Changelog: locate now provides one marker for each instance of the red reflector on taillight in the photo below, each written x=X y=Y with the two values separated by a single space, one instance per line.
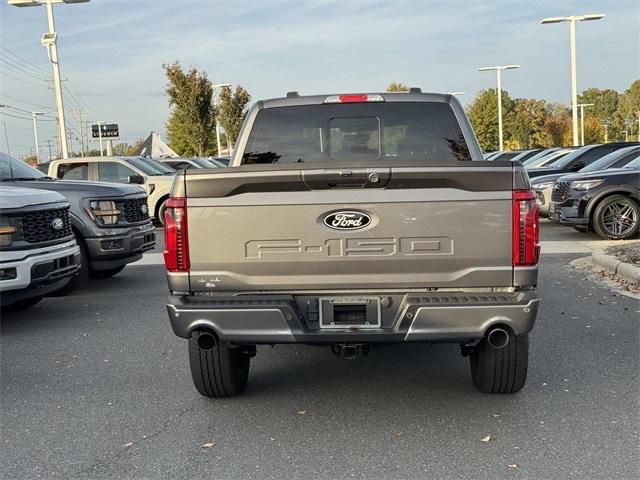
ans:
x=176 y=241
x=525 y=230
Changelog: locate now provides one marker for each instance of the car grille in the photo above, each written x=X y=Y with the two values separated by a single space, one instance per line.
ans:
x=560 y=192
x=135 y=210
x=38 y=227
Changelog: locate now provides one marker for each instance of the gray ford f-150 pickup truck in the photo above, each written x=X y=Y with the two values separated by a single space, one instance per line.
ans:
x=350 y=221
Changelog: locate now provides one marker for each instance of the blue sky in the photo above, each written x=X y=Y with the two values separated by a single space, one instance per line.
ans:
x=112 y=51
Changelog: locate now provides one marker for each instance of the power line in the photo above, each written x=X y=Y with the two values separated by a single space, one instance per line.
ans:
x=41 y=107
x=24 y=60
x=22 y=80
x=19 y=69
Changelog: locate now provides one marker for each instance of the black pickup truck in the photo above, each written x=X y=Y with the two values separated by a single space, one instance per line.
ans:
x=110 y=222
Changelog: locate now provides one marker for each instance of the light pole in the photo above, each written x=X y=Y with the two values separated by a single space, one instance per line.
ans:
x=498 y=69
x=214 y=86
x=49 y=41
x=572 y=41
x=581 y=106
x=34 y=116
x=6 y=137
x=606 y=132
x=100 y=135
x=626 y=134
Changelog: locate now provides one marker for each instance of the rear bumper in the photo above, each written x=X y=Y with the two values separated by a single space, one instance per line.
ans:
x=120 y=248
x=270 y=319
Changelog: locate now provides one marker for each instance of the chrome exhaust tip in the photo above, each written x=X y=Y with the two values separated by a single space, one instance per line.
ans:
x=498 y=337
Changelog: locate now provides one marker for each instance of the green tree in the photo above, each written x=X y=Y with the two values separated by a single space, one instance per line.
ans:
x=526 y=123
x=483 y=115
x=397 y=87
x=121 y=148
x=191 y=125
x=132 y=148
x=232 y=111
x=557 y=128
x=627 y=115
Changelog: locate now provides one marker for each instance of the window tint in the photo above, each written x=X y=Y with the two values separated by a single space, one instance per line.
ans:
x=13 y=168
x=356 y=131
x=114 y=172
x=73 y=171
x=595 y=154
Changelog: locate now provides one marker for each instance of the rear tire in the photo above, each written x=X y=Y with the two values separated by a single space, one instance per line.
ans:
x=617 y=218
x=220 y=372
x=500 y=370
x=106 y=273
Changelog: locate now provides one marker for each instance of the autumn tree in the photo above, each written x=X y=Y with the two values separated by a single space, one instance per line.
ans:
x=397 y=87
x=526 y=123
x=191 y=125
x=558 y=129
x=232 y=110
x=483 y=115
x=627 y=116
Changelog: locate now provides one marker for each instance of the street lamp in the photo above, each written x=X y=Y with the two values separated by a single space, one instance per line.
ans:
x=581 y=106
x=34 y=116
x=606 y=132
x=219 y=85
x=6 y=137
x=572 y=40
x=498 y=69
x=49 y=41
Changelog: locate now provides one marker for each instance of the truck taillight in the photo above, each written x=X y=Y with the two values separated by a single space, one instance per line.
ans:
x=176 y=240
x=526 y=234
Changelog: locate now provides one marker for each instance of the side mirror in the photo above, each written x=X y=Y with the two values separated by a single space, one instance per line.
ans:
x=577 y=166
x=136 y=179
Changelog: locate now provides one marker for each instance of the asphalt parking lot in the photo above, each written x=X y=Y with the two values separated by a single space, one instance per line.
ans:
x=96 y=385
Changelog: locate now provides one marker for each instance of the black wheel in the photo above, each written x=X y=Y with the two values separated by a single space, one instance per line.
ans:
x=80 y=279
x=106 y=273
x=219 y=371
x=22 y=304
x=617 y=218
x=500 y=370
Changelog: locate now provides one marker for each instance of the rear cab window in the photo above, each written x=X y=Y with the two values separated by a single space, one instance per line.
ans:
x=426 y=131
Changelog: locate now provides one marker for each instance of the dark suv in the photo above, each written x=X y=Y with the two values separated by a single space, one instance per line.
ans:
x=110 y=222
x=606 y=201
x=578 y=159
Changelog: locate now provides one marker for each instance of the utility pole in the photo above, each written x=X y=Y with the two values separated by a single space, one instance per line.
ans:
x=606 y=133
x=34 y=116
x=49 y=41
x=100 y=135
x=572 y=45
x=498 y=69
x=81 y=116
x=6 y=137
x=49 y=145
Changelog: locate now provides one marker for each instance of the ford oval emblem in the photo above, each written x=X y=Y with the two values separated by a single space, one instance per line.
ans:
x=347 y=220
x=144 y=209
x=57 y=223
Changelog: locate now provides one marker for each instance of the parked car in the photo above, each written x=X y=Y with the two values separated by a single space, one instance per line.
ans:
x=223 y=160
x=616 y=159
x=547 y=159
x=607 y=202
x=336 y=226
x=526 y=154
x=506 y=155
x=191 y=162
x=155 y=179
x=578 y=159
x=543 y=152
x=110 y=222
x=38 y=253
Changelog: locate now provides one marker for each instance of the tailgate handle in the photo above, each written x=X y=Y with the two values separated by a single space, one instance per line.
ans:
x=357 y=178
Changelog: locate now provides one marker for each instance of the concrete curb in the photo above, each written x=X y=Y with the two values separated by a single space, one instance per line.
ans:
x=625 y=271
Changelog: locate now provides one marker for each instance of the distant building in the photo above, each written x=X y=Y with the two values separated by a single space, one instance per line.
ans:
x=155 y=147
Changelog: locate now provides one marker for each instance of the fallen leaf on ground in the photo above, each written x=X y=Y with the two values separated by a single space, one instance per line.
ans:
x=495 y=415
x=208 y=445
x=513 y=465
x=301 y=412
x=398 y=434
x=128 y=444
x=486 y=439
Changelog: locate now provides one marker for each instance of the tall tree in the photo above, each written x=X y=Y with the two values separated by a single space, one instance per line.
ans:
x=483 y=114
x=191 y=125
x=397 y=87
x=526 y=123
x=558 y=130
x=626 y=116
x=232 y=110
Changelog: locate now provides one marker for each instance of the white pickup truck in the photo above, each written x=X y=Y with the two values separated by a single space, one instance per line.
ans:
x=352 y=221
x=38 y=252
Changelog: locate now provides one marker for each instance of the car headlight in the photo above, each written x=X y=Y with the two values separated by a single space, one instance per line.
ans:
x=543 y=185
x=6 y=236
x=585 y=184
x=103 y=212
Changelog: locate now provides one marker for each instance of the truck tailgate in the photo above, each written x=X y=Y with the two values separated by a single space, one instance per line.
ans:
x=357 y=228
